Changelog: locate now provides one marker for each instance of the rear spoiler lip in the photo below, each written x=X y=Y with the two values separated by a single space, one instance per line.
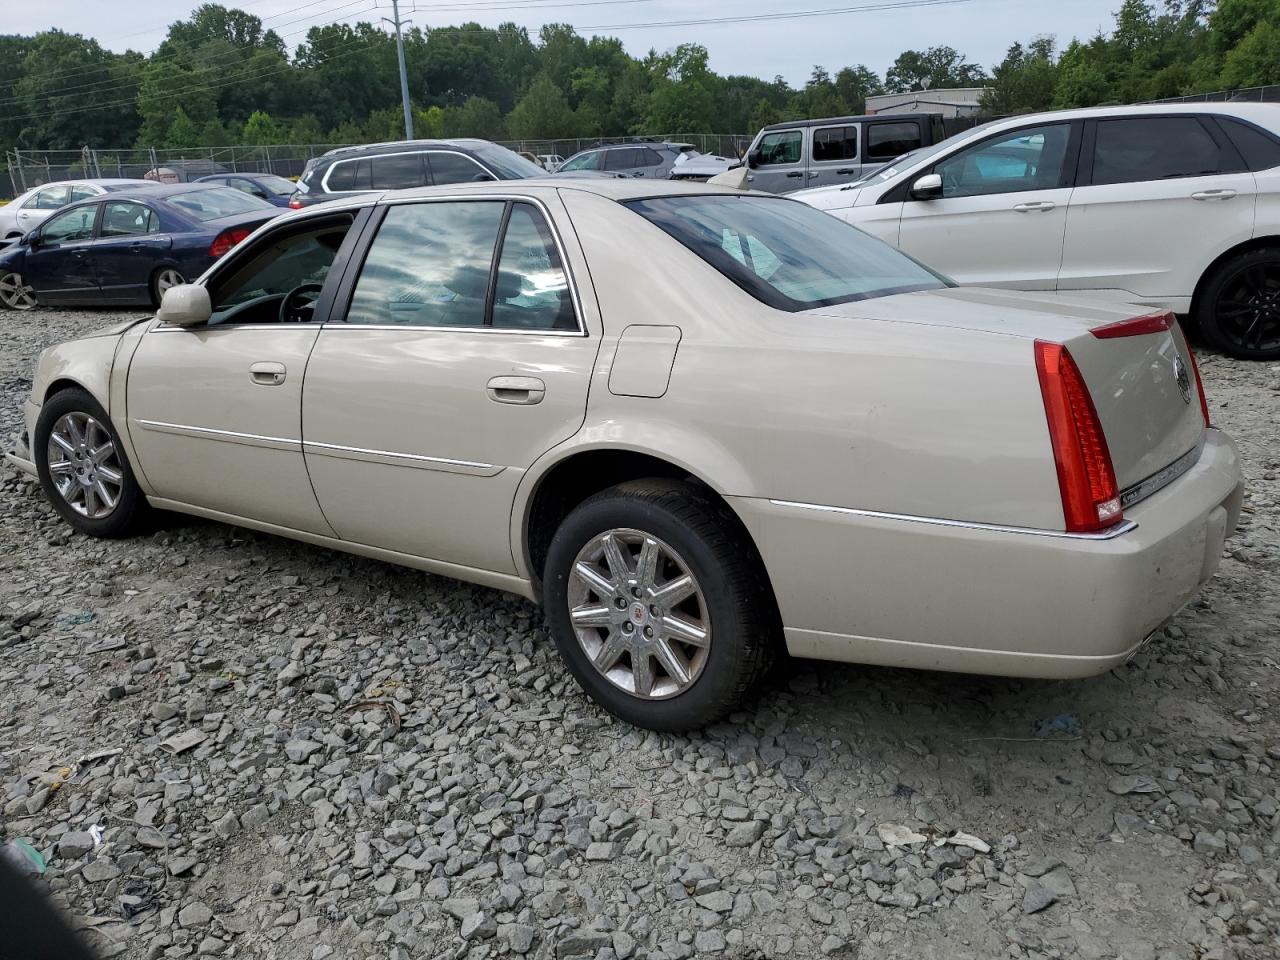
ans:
x=1159 y=322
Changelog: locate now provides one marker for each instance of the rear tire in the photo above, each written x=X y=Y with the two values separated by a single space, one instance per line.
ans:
x=642 y=628
x=1239 y=306
x=162 y=280
x=83 y=469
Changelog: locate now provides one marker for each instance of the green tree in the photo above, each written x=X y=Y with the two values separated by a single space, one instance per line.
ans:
x=1025 y=80
x=683 y=96
x=182 y=132
x=260 y=129
x=938 y=67
x=854 y=85
x=542 y=114
x=1255 y=60
x=477 y=117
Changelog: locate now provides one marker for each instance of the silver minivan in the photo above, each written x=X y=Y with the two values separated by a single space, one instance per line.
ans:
x=812 y=153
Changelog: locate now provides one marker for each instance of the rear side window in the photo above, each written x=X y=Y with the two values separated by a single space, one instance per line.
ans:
x=349 y=175
x=51 y=198
x=397 y=171
x=892 y=139
x=624 y=158
x=649 y=157
x=82 y=193
x=784 y=253
x=778 y=148
x=1260 y=150
x=1155 y=148
x=531 y=291
x=835 y=143
x=127 y=219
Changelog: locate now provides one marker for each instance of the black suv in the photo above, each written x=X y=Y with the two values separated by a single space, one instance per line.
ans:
x=407 y=163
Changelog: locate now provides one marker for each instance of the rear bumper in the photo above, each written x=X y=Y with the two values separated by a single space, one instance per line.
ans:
x=872 y=588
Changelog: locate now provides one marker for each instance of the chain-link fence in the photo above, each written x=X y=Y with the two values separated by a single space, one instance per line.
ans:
x=30 y=168
x=1268 y=94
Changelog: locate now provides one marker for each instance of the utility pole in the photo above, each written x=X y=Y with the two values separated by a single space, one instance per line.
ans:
x=404 y=76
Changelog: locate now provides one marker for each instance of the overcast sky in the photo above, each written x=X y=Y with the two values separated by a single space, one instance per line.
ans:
x=981 y=29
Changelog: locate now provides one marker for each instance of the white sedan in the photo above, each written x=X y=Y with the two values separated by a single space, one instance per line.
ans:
x=27 y=211
x=700 y=426
x=1175 y=206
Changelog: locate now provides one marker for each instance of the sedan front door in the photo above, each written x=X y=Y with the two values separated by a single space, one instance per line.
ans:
x=460 y=360
x=1003 y=210
x=60 y=267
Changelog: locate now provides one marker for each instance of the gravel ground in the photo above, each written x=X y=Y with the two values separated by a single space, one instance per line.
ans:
x=304 y=754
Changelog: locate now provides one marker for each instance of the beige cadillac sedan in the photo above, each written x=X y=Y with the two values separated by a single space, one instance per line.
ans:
x=700 y=426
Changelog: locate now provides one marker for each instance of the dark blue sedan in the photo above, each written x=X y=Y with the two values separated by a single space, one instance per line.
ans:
x=127 y=247
x=265 y=186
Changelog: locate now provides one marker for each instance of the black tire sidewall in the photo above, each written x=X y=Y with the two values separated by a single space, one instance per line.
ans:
x=718 y=687
x=1206 y=314
x=132 y=504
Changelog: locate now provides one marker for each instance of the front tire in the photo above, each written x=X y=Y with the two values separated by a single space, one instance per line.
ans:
x=83 y=469
x=15 y=293
x=1239 y=308
x=660 y=605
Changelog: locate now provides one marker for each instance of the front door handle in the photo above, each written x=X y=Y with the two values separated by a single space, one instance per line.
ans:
x=1213 y=195
x=845 y=171
x=795 y=174
x=266 y=373
x=518 y=390
x=1041 y=206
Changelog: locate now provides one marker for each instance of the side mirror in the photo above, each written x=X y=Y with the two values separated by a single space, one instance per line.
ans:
x=32 y=239
x=928 y=187
x=753 y=159
x=186 y=305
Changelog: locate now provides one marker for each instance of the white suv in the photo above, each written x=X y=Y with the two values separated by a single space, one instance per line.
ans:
x=1175 y=206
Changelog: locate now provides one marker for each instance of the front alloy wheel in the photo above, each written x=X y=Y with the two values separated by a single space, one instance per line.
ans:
x=15 y=293
x=85 y=465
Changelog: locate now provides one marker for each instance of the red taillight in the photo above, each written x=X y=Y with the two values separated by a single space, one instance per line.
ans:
x=1204 y=401
x=1086 y=477
x=1136 y=326
x=295 y=203
x=226 y=240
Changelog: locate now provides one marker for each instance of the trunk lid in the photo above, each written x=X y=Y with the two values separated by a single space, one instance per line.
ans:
x=1143 y=386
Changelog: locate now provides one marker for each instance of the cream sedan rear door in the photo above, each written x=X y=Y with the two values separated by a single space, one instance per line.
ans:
x=458 y=355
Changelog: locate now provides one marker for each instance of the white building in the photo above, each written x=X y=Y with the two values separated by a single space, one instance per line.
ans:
x=956 y=102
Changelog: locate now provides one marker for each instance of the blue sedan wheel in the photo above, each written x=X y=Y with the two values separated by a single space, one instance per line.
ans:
x=162 y=281
x=15 y=293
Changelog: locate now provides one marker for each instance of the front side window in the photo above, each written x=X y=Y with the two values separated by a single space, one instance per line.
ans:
x=892 y=139
x=779 y=148
x=455 y=168
x=50 y=198
x=835 y=143
x=214 y=203
x=398 y=171
x=429 y=265
x=583 y=161
x=531 y=291
x=1029 y=159
x=75 y=224
x=1154 y=148
x=126 y=219
x=784 y=253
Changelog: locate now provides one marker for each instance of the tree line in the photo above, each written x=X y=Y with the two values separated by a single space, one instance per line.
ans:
x=222 y=77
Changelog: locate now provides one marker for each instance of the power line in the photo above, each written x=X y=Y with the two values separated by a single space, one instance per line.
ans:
x=795 y=15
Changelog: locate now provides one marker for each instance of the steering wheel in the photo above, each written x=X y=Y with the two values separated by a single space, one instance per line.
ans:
x=299 y=304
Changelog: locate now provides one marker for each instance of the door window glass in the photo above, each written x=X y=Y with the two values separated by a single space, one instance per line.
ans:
x=778 y=148
x=51 y=198
x=349 y=175
x=583 y=161
x=274 y=267
x=455 y=168
x=624 y=158
x=532 y=291
x=75 y=224
x=82 y=193
x=835 y=143
x=888 y=140
x=398 y=171
x=429 y=265
x=239 y=183
x=1260 y=150
x=1030 y=159
x=649 y=157
x=124 y=219
x=1153 y=148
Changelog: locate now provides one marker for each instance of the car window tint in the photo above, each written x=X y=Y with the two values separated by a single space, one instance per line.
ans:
x=455 y=168
x=835 y=143
x=786 y=254
x=888 y=140
x=1260 y=150
x=624 y=158
x=82 y=193
x=125 y=219
x=429 y=265
x=1153 y=148
x=342 y=176
x=532 y=291
x=51 y=198
x=583 y=161
x=649 y=157
x=397 y=171
x=75 y=224
x=1028 y=159
x=780 y=147
x=271 y=268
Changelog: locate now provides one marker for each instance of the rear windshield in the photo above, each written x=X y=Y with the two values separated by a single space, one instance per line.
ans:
x=277 y=185
x=213 y=203
x=505 y=163
x=785 y=253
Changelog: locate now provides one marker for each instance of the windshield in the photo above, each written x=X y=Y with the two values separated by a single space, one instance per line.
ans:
x=214 y=203
x=506 y=163
x=785 y=253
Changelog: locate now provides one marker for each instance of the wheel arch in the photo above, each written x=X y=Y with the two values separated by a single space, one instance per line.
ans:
x=85 y=364
x=1248 y=246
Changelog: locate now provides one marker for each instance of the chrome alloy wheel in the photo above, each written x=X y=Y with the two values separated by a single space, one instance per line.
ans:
x=85 y=466
x=14 y=293
x=639 y=614
x=166 y=279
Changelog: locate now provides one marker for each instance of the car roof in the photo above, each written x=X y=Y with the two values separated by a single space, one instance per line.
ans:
x=615 y=188
x=152 y=191
x=1264 y=114
x=824 y=121
x=92 y=181
x=466 y=143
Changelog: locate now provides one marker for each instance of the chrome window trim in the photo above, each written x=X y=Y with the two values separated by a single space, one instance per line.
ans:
x=324 y=182
x=558 y=239
x=1139 y=491
x=1125 y=526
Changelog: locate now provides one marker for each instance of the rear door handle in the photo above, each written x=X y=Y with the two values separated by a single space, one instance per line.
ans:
x=795 y=174
x=1213 y=195
x=1041 y=206
x=267 y=373
x=518 y=390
